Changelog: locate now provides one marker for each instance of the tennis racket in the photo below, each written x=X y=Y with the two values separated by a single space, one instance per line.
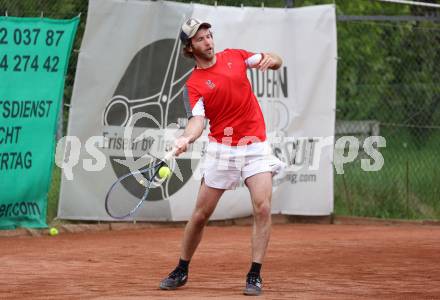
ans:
x=120 y=206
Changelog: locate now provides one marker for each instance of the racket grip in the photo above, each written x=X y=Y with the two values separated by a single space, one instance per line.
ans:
x=170 y=154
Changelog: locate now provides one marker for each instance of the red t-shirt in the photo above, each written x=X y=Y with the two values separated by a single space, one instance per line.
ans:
x=228 y=99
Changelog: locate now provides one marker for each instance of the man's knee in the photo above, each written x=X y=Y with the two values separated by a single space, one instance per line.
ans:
x=262 y=210
x=200 y=217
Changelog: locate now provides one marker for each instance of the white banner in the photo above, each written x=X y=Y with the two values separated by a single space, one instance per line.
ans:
x=130 y=62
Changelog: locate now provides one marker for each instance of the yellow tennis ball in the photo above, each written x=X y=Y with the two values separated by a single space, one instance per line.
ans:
x=53 y=231
x=164 y=172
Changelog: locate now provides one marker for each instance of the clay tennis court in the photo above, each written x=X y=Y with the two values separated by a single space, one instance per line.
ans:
x=304 y=262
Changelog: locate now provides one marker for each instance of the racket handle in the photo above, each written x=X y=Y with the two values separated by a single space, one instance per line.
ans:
x=170 y=154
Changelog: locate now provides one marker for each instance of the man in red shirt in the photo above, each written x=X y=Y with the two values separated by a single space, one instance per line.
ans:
x=219 y=90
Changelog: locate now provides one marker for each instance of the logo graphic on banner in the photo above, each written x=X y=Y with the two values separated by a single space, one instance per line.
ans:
x=152 y=84
x=143 y=72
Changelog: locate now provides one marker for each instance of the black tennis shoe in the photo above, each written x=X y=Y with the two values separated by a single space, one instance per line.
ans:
x=175 y=279
x=253 y=285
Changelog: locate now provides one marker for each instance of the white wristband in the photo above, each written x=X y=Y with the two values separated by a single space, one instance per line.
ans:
x=254 y=60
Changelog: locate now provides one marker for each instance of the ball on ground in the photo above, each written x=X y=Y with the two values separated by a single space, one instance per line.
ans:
x=164 y=172
x=53 y=231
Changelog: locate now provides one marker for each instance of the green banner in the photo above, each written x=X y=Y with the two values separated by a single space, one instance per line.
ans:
x=34 y=54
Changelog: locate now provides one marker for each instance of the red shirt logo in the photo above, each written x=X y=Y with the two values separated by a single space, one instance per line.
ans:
x=210 y=84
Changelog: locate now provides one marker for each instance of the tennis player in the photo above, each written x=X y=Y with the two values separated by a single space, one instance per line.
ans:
x=219 y=90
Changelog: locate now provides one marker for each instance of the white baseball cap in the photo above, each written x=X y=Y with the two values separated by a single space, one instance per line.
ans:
x=190 y=27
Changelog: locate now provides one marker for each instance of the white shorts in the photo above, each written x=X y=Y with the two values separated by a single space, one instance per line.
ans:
x=223 y=166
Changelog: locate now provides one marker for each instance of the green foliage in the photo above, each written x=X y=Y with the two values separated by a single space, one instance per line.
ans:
x=406 y=187
x=387 y=72
x=419 y=88
x=53 y=195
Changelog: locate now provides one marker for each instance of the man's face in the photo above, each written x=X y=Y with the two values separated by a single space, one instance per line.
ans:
x=203 y=44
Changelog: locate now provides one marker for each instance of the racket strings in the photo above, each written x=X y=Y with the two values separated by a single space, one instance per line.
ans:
x=119 y=204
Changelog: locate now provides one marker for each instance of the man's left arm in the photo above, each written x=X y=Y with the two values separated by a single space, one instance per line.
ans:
x=264 y=61
x=269 y=61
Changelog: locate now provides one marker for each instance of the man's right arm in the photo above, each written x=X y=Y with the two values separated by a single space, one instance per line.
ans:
x=195 y=111
x=193 y=131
